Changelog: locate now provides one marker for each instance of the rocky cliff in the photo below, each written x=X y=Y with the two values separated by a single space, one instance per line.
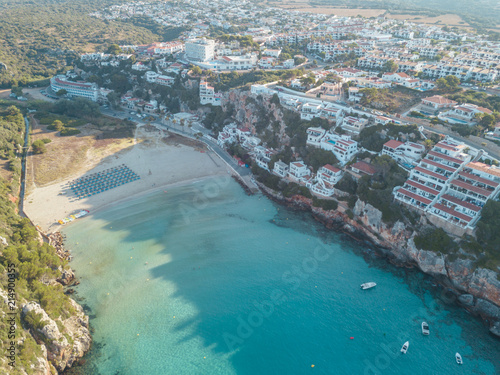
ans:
x=44 y=345
x=478 y=289
x=64 y=341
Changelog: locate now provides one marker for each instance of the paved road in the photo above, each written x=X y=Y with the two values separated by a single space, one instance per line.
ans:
x=196 y=128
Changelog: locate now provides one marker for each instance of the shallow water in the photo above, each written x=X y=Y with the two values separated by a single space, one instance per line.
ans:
x=206 y=280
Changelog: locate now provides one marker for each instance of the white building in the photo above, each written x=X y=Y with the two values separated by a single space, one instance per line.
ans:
x=245 y=62
x=342 y=146
x=329 y=173
x=396 y=77
x=80 y=89
x=208 y=95
x=314 y=136
x=200 y=49
x=280 y=169
x=406 y=153
x=353 y=124
x=272 y=52
x=310 y=111
x=298 y=171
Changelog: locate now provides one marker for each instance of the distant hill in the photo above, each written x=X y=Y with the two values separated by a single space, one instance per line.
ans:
x=478 y=13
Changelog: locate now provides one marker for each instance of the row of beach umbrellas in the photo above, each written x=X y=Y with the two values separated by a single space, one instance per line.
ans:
x=102 y=181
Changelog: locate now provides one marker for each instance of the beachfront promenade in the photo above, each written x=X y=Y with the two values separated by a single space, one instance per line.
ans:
x=244 y=173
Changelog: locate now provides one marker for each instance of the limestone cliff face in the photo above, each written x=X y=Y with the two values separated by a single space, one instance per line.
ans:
x=478 y=288
x=257 y=109
x=64 y=343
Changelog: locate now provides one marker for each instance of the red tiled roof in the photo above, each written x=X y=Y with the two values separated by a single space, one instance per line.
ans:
x=484 y=168
x=462 y=203
x=415 y=145
x=478 y=179
x=331 y=168
x=430 y=173
x=445 y=146
x=439 y=165
x=393 y=144
x=85 y=85
x=364 y=167
x=445 y=157
x=439 y=100
x=470 y=187
x=451 y=211
x=414 y=196
x=422 y=187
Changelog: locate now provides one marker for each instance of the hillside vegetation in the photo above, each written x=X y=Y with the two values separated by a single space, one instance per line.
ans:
x=41 y=37
x=23 y=254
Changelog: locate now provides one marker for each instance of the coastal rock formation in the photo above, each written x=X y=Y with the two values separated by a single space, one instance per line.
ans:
x=479 y=287
x=466 y=300
x=428 y=261
x=486 y=309
x=67 y=276
x=495 y=329
x=64 y=341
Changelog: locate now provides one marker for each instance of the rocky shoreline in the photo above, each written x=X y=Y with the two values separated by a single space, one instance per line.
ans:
x=476 y=289
x=65 y=340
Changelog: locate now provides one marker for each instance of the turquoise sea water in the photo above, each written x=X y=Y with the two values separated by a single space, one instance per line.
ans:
x=203 y=279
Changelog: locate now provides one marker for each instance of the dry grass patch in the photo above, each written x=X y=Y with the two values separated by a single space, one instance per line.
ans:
x=5 y=173
x=343 y=12
x=445 y=19
x=67 y=156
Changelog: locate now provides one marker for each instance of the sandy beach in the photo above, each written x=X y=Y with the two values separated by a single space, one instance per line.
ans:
x=160 y=159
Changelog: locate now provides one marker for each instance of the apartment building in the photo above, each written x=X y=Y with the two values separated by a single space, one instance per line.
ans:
x=80 y=89
x=200 y=49
x=403 y=152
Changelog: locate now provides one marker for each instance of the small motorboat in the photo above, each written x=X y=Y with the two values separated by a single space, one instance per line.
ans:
x=404 y=349
x=368 y=285
x=425 y=328
x=458 y=357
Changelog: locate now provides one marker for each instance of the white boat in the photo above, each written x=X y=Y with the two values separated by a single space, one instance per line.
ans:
x=404 y=349
x=425 y=328
x=368 y=285
x=458 y=357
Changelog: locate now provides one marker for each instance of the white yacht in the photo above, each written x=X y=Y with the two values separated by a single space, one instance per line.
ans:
x=368 y=285
x=425 y=328
x=404 y=349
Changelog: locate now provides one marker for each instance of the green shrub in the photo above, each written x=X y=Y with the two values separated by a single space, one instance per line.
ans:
x=69 y=131
x=39 y=147
x=34 y=320
x=437 y=240
x=325 y=204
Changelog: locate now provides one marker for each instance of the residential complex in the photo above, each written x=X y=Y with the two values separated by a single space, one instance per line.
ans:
x=449 y=185
x=75 y=89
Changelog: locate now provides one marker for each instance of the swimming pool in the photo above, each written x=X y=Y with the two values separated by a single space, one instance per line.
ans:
x=455 y=120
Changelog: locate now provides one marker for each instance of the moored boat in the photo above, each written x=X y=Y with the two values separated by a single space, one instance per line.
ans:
x=458 y=358
x=425 y=328
x=369 y=285
x=404 y=349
